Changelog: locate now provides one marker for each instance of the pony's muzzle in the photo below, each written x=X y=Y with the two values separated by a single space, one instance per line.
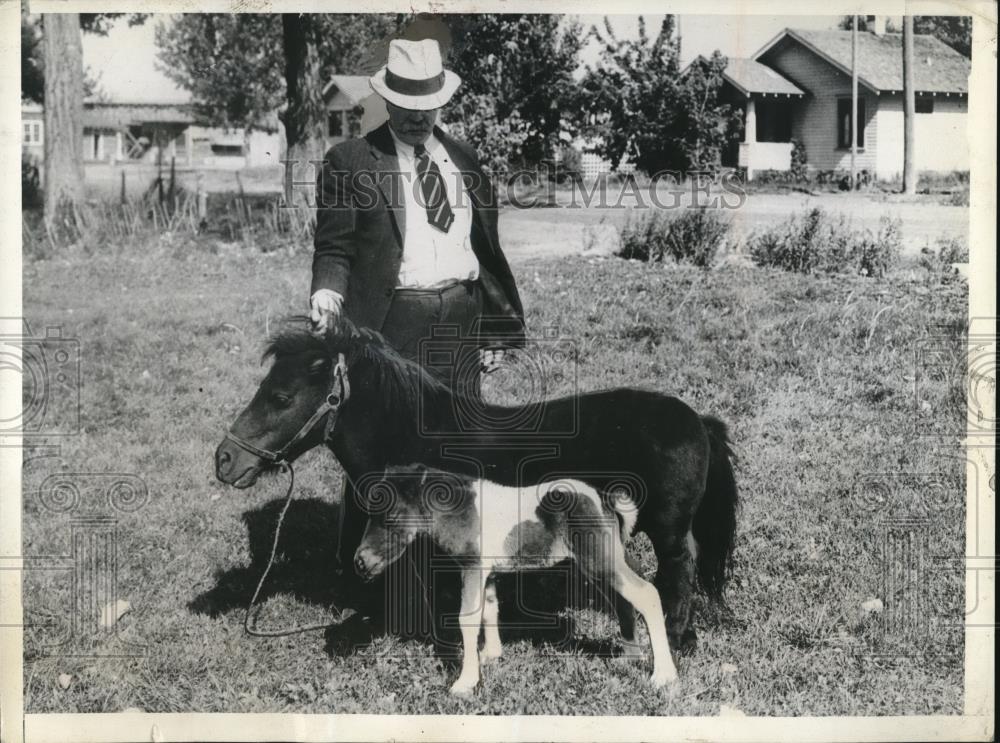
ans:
x=232 y=468
x=366 y=564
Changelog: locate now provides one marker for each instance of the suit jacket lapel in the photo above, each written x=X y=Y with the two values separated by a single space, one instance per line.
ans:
x=476 y=177
x=387 y=175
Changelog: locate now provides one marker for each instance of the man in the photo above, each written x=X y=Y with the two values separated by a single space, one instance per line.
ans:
x=406 y=229
x=406 y=239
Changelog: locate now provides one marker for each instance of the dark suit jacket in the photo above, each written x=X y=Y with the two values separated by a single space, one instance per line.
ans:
x=360 y=224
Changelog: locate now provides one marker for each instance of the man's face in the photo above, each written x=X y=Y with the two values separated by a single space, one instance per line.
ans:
x=412 y=127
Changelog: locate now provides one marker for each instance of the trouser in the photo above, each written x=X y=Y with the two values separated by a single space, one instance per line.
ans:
x=437 y=329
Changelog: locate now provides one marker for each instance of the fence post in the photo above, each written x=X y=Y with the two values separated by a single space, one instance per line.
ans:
x=202 y=199
x=124 y=197
x=170 y=191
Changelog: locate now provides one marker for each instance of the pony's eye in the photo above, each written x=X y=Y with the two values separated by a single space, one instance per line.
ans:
x=281 y=399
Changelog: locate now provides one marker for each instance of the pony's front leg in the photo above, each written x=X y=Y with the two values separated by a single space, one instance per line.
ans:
x=491 y=623
x=470 y=619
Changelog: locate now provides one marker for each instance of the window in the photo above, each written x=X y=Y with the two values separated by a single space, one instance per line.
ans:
x=32 y=132
x=924 y=104
x=334 y=124
x=844 y=123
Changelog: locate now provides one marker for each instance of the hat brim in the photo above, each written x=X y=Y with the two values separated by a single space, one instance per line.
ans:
x=416 y=102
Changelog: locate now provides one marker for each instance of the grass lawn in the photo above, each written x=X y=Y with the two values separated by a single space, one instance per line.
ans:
x=815 y=375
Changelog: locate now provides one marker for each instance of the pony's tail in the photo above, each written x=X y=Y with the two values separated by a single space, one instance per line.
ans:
x=714 y=526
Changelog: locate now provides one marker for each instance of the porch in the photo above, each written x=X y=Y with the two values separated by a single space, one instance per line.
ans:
x=769 y=103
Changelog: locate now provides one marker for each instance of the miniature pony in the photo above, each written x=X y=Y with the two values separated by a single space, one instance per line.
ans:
x=491 y=527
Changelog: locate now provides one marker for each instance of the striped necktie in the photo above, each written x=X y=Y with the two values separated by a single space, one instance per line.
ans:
x=439 y=213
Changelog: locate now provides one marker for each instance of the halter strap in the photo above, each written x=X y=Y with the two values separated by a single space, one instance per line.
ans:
x=340 y=390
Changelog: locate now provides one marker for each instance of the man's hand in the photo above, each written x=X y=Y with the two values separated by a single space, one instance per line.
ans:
x=490 y=359
x=325 y=309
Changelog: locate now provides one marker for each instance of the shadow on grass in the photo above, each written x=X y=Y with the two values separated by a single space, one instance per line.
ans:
x=403 y=602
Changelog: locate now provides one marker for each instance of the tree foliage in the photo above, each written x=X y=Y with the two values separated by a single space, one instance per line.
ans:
x=517 y=84
x=953 y=30
x=236 y=66
x=638 y=102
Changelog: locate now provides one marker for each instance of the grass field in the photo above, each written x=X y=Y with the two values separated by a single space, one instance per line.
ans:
x=820 y=379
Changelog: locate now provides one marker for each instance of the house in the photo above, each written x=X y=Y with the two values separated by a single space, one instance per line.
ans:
x=798 y=87
x=125 y=132
x=349 y=101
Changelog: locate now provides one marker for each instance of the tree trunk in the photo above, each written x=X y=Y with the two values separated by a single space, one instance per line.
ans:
x=909 y=110
x=305 y=116
x=63 y=169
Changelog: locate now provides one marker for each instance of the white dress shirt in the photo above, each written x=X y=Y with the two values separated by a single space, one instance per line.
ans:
x=432 y=257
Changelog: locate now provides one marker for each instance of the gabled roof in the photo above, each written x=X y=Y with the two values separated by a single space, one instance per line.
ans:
x=103 y=115
x=937 y=67
x=749 y=76
x=354 y=88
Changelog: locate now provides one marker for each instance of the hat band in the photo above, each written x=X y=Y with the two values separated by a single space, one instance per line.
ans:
x=409 y=86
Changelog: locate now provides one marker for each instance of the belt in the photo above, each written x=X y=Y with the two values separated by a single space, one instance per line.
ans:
x=466 y=284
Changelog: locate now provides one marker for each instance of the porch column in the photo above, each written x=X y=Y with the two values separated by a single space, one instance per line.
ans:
x=750 y=134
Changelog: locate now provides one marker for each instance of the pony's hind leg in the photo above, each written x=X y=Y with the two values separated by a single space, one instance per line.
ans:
x=471 y=619
x=491 y=622
x=674 y=579
x=646 y=599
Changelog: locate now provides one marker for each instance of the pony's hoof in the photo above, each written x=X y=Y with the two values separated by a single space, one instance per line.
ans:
x=462 y=688
x=660 y=680
x=490 y=654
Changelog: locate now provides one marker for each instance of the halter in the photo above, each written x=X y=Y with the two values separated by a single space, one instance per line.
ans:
x=339 y=392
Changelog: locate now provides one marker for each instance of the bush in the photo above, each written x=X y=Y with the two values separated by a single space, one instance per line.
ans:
x=949 y=250
x=799 y=167
x=31 y=183
x=815 y=242
x=694 y=236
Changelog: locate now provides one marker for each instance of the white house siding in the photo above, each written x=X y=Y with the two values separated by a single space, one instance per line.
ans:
x=815 y=120
x=942 y=140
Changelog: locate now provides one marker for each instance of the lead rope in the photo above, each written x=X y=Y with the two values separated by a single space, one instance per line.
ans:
x=285 y=467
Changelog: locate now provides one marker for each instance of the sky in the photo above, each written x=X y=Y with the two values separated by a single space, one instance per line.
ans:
x=124 y=62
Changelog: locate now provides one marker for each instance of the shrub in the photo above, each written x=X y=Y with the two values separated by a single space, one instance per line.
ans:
x=815 y=242
x=31 y=183
x=799 y=168
x=693 y=236
x=949 y=250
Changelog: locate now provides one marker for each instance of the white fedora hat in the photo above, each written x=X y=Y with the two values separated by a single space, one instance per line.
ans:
x=414 y=77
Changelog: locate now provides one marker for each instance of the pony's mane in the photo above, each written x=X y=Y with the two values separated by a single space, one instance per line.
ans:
x=401 y=380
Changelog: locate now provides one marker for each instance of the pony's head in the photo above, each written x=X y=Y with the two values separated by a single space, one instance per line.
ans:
x=404 y=503
x=303 y=374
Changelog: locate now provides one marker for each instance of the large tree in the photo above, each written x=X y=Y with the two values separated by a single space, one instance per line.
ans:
x=638 y=102
x=517 y=84
x=63 y=61
x=52 y=72
x=241 y=67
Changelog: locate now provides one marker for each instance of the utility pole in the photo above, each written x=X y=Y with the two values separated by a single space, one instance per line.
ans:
x=909 y=110
x=854 y=103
